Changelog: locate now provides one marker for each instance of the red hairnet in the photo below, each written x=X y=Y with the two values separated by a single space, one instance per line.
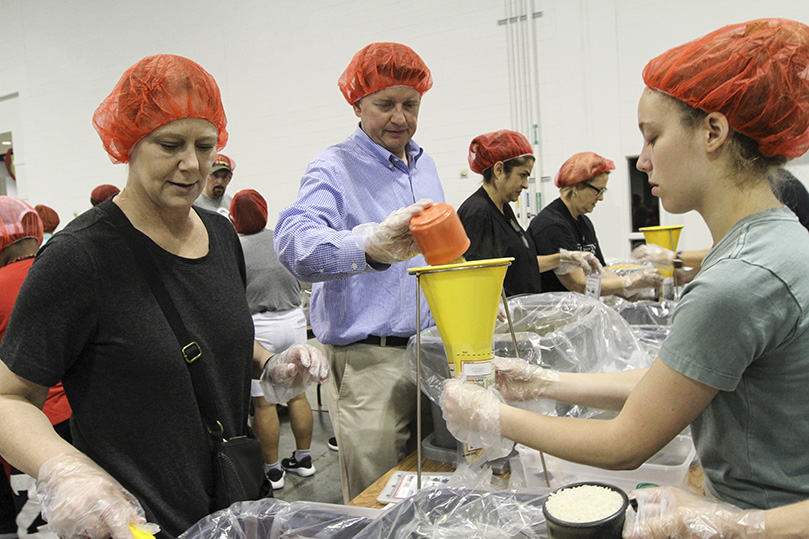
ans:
x=582 y=167
x=248 y=212
x=18 y=220
x=755 y=73
x=155 y=91
x=486 y=150
x=102 y=193
x=381 y=65
x=50 y=219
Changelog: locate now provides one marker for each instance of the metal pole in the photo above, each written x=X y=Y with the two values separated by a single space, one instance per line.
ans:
x=517 y=355
x=510 y=325
x=418 y=381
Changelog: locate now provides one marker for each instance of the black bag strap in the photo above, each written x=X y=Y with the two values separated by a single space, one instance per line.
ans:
x=189 y=348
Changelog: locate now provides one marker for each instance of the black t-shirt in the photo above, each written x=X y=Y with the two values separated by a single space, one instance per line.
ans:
x=554 y=229
x=86 y=316
x=499 y=235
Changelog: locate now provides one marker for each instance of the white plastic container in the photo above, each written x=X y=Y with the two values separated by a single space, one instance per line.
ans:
x=669 y=466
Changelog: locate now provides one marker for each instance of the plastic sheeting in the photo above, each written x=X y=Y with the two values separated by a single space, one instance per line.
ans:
x=243 y=520
x=644 y=313
x=271 y=518
x=457 y=513
x=563 y=331
x=649 y=321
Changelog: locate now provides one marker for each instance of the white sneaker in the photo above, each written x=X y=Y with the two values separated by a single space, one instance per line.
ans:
x=304 y=468
x=276 y=478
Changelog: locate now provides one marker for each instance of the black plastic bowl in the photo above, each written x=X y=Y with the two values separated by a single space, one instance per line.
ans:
x=606 y=528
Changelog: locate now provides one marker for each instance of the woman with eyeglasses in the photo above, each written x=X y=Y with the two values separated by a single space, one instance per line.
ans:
x=563 y=226
x=505 y=158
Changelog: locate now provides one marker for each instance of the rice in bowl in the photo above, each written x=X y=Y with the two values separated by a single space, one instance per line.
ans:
x=584 y=503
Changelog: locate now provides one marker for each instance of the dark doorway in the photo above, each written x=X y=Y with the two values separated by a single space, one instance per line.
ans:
x=645 y=206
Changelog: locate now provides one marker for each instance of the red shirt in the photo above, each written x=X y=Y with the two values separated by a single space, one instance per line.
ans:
x=11 y=278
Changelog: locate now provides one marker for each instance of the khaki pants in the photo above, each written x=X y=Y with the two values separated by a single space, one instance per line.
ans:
x=372 y=406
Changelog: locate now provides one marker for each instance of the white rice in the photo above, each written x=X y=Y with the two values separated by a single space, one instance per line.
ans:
x=585 y=503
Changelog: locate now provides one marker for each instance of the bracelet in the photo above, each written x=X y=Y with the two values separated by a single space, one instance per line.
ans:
x=678 y=255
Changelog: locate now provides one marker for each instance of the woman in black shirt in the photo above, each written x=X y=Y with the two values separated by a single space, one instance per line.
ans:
x=505 y=159
x=564 y=226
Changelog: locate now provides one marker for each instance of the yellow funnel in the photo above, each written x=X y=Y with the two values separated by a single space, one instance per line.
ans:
x=463 y=299
x=140 y=533
x=664 y=236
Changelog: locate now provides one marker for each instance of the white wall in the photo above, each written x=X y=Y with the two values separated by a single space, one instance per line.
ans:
x=593 y=52
x=277 y=63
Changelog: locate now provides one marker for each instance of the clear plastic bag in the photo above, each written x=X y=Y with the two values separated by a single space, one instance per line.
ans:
x=462 y=513
x=270 y=518
x=243 y=520
x=563 y=331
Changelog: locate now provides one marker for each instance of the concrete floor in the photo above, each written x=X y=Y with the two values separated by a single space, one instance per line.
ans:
x=324 y=486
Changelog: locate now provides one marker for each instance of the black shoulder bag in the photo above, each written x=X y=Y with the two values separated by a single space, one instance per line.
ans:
x=238 y=464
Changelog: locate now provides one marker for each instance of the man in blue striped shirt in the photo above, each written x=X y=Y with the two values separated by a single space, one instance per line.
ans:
x=348 y=234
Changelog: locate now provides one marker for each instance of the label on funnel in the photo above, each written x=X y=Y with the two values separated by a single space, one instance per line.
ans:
x=479 y=372
x=476 y=368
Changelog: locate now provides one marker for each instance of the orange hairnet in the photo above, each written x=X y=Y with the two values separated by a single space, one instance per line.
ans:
x=50 y=219
x=155 y=91
x=486 y=150
x=248 y=211
x=755 y=73
x=582 y=167
x=103 y=192
x=18 y=220
x=381 y=65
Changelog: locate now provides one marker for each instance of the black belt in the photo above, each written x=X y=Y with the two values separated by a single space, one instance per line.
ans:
x=384 y=341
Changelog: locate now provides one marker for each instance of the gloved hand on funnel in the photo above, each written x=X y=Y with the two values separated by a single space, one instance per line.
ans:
x=473 y=417
x=518 y=380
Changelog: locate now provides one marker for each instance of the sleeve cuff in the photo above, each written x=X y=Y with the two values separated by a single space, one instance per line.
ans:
x=351 y=259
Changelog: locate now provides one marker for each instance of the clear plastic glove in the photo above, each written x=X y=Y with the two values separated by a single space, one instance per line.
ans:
x=571 y=260
x=671 y=512
x=290 y=372
x=473 y=416
x=390 y=241
x=79 y=500
x=646 y=278
x=518 y=380
x=501 y=312
x=657 y=255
